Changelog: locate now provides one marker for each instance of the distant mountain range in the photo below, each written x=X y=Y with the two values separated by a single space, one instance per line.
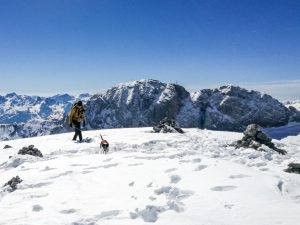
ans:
x=27 y=116
x=144 y=103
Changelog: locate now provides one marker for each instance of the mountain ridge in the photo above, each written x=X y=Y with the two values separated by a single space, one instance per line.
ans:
x=143 y=103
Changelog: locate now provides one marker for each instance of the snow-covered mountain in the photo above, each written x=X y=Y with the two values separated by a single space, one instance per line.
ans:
x=295 y=104
x=27 y=116
x=163 y=179
x=137 y=103
x=144 y=103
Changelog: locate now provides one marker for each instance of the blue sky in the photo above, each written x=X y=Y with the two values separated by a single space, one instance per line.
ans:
x=58 y=46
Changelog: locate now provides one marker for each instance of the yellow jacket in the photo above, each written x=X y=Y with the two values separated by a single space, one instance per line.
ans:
x=77 y=114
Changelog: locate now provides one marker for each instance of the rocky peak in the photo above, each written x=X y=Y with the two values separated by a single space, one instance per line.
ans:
x=137 y=103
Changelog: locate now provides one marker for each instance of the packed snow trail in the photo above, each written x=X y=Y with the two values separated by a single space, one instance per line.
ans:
x=192 y=178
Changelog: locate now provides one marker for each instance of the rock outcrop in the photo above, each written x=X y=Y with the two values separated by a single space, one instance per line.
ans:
x=168 y=125
x=30 y=150
x=7 y=146
x=12 y=184
x=293 y=168
x=255 y=138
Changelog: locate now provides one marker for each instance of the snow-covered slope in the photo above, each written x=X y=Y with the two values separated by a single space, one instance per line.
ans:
x=191 y=178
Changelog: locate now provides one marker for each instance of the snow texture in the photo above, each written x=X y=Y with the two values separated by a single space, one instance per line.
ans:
x=191 y=178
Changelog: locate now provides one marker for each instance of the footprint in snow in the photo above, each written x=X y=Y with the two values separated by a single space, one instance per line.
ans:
x=175 y=179
x=38 y=185
x=136 y=164
x=79 y=164
x=104 y=166
x=149 y=185
x=200 y=167
x=223 y=188
x=62 y=174
x=86 y=171
x=197 y=160
x=107 y=160
x=68 y=211
x=238 y=176
x=37 y=208
x=228 y=206
x=94 y=220
x=47 y=168
x=170 y=170
x=110 y=165
x=108 y=214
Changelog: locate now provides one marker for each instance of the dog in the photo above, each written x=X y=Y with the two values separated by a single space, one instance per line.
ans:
x=104 y=145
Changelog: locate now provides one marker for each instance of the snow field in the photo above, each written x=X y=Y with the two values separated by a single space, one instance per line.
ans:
x=192 y=178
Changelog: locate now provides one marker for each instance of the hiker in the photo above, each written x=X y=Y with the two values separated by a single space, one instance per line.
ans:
x=76 y=116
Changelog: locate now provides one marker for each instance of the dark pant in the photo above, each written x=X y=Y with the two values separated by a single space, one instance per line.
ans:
x=77 y=130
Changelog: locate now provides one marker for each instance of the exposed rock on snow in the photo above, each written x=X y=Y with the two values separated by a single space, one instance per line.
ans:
x=12 y=184
x=30 y=150
x=255 y=138
x=7 y=146
x=293 y=168
x=167 y=125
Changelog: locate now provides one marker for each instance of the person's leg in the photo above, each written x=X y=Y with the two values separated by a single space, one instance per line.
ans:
x=79 y=133
x=77 y=130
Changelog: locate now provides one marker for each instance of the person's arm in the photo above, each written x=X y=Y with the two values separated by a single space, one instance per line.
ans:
x=71 y=115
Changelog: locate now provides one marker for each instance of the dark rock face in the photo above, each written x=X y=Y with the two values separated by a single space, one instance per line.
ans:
x=13 y=183
x=145 y=103
x=233 y=108
x=30 y=150
x=293 y=168
x=135 y=104
x=167 y=125
x=294 y=114
x=255 y=138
